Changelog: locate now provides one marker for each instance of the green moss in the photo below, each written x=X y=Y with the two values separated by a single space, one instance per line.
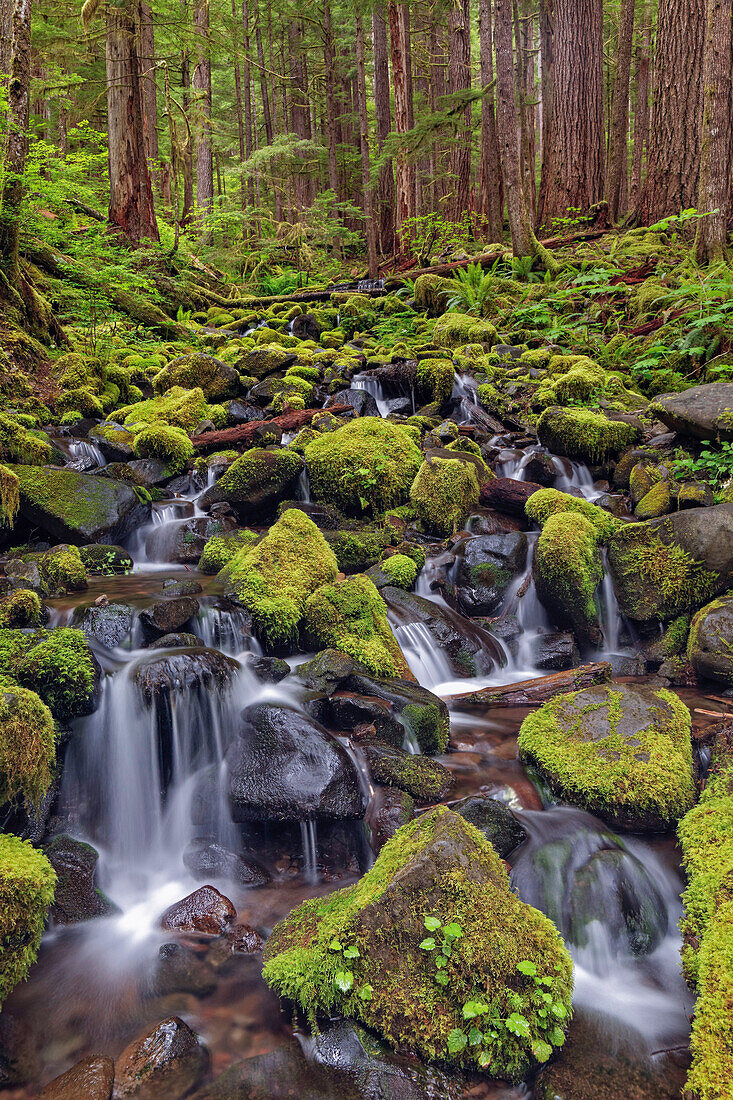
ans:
x=640 y=779
x=17 y=444
x=56 y=664
x=20 y=608
x=351 y=616
x=431 y=293
x=178 y=407
x=548 y=502
x=169 y=445
x=454 y=329
x=435 y=379
x=257 y=473
x=439 y=866
x=656 y=502
x=220 y=549
x=579 y=378
x=711 y=1042
x=580 y=433
x=27 y=883
x=368 y=464
x=444 y=493
x=429 y=726
x=675 y=636
x=567 y=569
x=401 y=570
x=197 y=371
x=356 y=550
x=27 y=745
x=274 y=579
x=654 y=579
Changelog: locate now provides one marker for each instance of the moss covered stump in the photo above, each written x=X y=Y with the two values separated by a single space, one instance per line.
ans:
x=428 y=948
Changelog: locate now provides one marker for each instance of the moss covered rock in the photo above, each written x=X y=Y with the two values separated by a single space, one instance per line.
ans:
x=419 y=776
x=61 y=570
x=56 y=664
x=567 y=569
x=180 y=408
x=431 y=294
x=274 y=579
x=350 y=616
x=435 y=379
x=20 y=608
x=27 y=882
x=18 y=444
x=169 y=445
x=622 y=753
x=454 y=329
x=369 y=952
x=216 y=379
x=366 y=465
x=581 y=433
x=27 y=745
x=710 y=643
x=548 y=502
x=257 y=479
x=444 y=493
x=79 y=508
x=220 y=549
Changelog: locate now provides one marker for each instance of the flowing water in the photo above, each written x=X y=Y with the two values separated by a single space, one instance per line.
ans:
x=144 y=779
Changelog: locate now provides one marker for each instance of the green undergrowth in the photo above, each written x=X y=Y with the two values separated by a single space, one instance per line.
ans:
x=27 y=883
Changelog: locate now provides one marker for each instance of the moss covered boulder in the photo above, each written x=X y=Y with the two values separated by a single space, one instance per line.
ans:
x=710 y=642
x=623 y=753
x=454 y=329
x=444 y=493
x=665 y=567
x=79 y=508
x=27 y=745
x=274 y=579
x=702 y=412
x=548 y=502
x=567 y=569
x=433 y=950
x=218 y=380
x=220 y=549
x=350 y=616
x=256 y=480
x=20 y=608
x=27 y=882
x=368 y=464
x=584 y=434
x=57 y=665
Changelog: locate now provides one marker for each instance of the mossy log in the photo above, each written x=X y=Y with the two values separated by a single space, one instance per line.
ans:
x=507 y=495
x=245 y=433
x=533 y=693
x=135 y=306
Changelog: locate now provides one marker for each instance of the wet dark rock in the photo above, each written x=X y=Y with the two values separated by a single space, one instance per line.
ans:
x=306 y=327
x=347 y=712
x=178 y=969
x=90 y=1079
x=555 y=652
x=185 y=671
x=206 y=859
x=184 y=543
x=286 y=767
x=469 y=648
x=172 y=587
x=148 y=472
x=111 y=625
x=495 y=820
x=19 y=1060
x=177 y=640
x=245 y=940
x=615 y=885
x=486 y=567
x=398 y=406
x=205 y=911
x=327 y=670
x=541 y=469
x=168 y=1061
x=271 y=670
x=24 y=574
x=419 y=776
x=325 y=517
x=241 y=412
x=389 y=809
x=167 y=616
x=76 y=898
x=703 y=412
x=116 y=444
x=627 y=665
x=710 y=641
x=362 y=402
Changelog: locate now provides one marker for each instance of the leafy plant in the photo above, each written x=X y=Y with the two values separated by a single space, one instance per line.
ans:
x=712 y=465
x=472 y=290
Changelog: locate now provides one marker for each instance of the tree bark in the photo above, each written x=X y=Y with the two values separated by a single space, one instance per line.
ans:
x=491 y=198
x=715 y=160
x=240 y=111
x=300 y=119
x=618 y=148
x=673 y=157
x=404 y=184
x=131 y=207
x=202 y=91
x=247 y=83
x=547 y=90
x=459 y=80
x=641 y=114
x=17 y=63
x=187 y=151
x=149 y=86
x=576 y=133
x=524 y=242
x=385 y=197
x=533 y=693
x=371 y=234
x=329 y=58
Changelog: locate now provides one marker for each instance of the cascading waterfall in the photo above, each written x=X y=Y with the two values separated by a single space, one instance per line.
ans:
x=426 y=660
x=370 y=383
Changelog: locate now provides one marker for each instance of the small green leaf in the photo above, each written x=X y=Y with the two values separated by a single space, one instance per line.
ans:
x=335 y=945
x=474 y=1036
x=518 y=1025
x=432 y=924
x=452 y=931
x=446 y=949
x=457 y=1041
x=442 y=978
x=484 y=1060
x=559 y=1010
x=556 y=1036
x=351 y=953
x=428 y=944
x=528 y=968
x=541 y=1050
x=365 y=993
x=344 y=980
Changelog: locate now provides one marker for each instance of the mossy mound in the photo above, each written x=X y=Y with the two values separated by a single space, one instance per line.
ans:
x=169 y=445
x=27 y=745
x=61 y=569
x=622 y=753
x=567 y=569
x=17 y=444
x=27 y=882
x=366 y=465
x=220 y=549
x=435 y=379
x=368 y=953
x=580 y=378
x=357 y=550
x=257 y=478
x=56 y=664
x=444 y=493
x=20 y=608
x=400 y=570
x=454 y=329
x=274 y=579
x=548 y=502
x=179 y=407
x=583 y=434
x=351 y=616
x=710 y=642
x=431 y=294
x=216 y=379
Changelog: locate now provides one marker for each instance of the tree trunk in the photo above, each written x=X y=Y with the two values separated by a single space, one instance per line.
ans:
x=371 y=233
x=240 y=113
x=524 y=242
x=385 y=189
x=266 y=111
x=641 y=114
x=715 y=161
x=17 y=63
x=673 y=156
x=576 y=134
x=300 y=110
x=491 y=199
x=459 y=80
x=202 y=90
x=131 y=207
x=618 y=150
x=149 y=86
x=329 y=58
x=187 y=151
x=405 y=189
x=547 y=91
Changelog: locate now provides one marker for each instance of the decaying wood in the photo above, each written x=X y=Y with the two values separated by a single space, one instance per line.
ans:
x=532 y=693
x=507 y=495
x=245 y=433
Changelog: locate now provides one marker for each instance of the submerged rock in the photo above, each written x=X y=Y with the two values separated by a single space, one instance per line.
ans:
x=623 y=753
x=419 y=776
x=167 y=616
x=206 y=859
x=615 y=886
x=90 y=1079
x=285 y=767
x=76 y=897
x=167 y=1061
x=184 y=670
x=178 y=969
x=389 y=809
x=369 y=951
x=205 y=911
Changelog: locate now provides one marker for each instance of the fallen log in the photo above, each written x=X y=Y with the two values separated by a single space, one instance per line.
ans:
x=245 y=433
x=533 y=693
x=505 y=494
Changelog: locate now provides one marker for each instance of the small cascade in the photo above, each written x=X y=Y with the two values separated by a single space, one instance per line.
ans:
x=612 y=621
x=465 y=387
x=309 y=838
x=82 y=448
x=227 y=629
x=426 y=660
x=303 y=488
x=370 y=383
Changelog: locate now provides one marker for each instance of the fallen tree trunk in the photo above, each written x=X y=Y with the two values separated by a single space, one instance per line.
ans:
x=505 y=494
x=245 y=433
x=533 y=693
x=135 y=306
